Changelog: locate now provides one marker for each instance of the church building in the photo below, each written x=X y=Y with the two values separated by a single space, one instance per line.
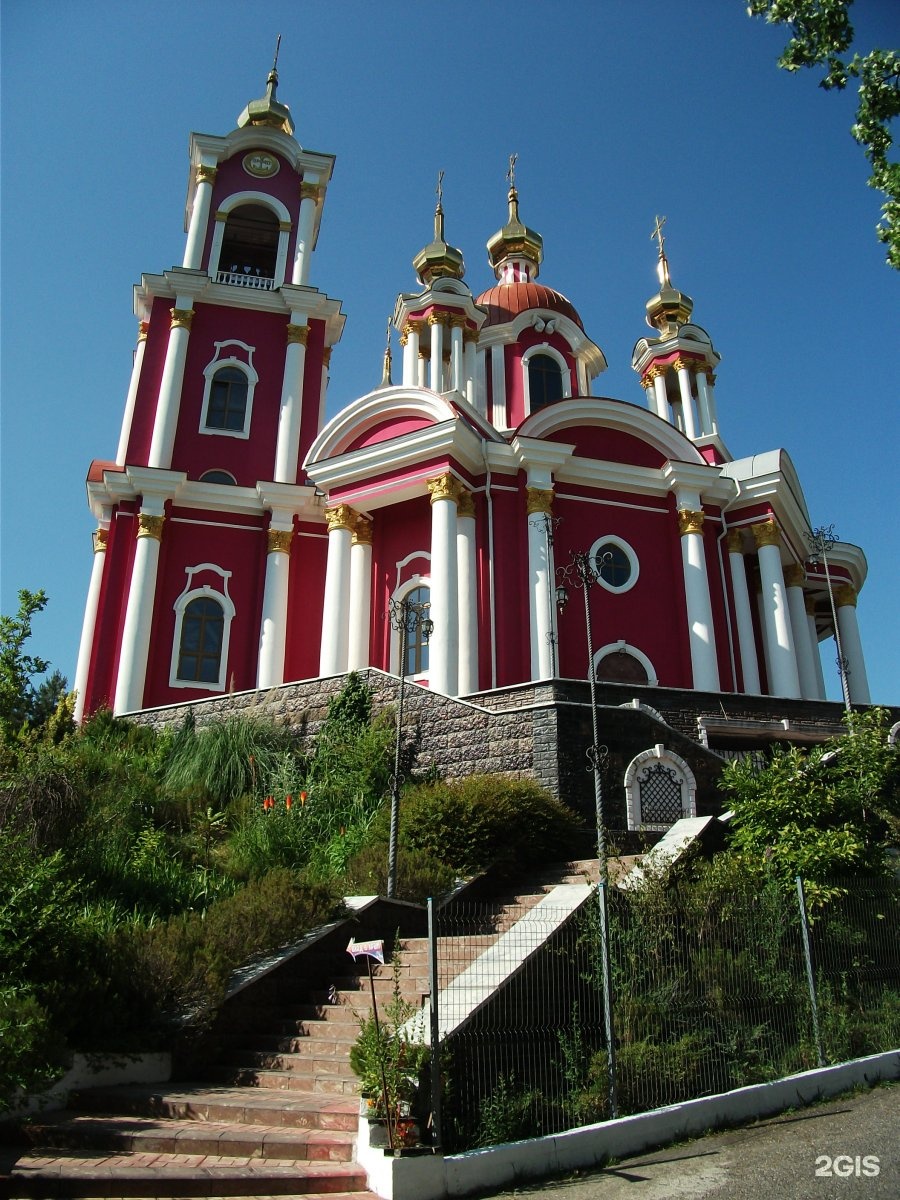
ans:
x=244 y=542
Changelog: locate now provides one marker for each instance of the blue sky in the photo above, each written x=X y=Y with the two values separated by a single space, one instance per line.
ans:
x=618 y=110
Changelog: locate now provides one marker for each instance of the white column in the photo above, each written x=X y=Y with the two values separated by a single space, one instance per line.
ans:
x=410 y=340
x=682 y=366
x=794 y=578
x=457 y=381
x=273 y=626
x=326 y=363
x=704 y=666
x=360 y=594
x=743 y=615
x=423 y=367
x=89 y=624
x=132 y=673
x=336 y=610
x=166 y=420
x=784 y=679
x=705 y=383
x=287 y=449
x=707 y=424
x=436 y=372
x=443 y=650
x=659 y=393
x=467 y=594
x=470 y=342
x=193 y=251
x=481 y=382
x=814 y=642
x=309 y=193
x=541 y=595
x=851 y=644
x=499 y=417
x=130 y=399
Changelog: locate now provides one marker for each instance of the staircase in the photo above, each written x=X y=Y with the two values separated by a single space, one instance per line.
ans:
x=276 y=1111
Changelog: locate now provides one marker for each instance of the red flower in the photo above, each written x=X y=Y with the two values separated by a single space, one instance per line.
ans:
x=303 y=797
x=288 y=802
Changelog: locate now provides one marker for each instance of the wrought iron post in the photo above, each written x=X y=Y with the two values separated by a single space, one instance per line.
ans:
x=403 y=613
x=822 y=540
x=433 y=978
x=580 y=569
x=810 y=978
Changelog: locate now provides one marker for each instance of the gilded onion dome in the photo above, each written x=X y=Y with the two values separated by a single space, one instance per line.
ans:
x=438 y=260
x=268 y=111
x=669 y=308
x=515 y=243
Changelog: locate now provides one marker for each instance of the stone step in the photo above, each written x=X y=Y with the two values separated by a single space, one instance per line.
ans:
x=321 y=1084
x=64 y=1177
x=134 y=1134
x=231 y=1104
x=315 y=1039
x=315 y=1063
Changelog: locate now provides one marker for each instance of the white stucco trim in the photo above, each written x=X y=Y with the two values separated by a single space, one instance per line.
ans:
x=623 y=647
x=206 y=592
x=218 y=363
x=685 y=776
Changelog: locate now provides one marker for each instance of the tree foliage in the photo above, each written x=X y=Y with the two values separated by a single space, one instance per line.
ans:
x=822 y=36
x=17 y=669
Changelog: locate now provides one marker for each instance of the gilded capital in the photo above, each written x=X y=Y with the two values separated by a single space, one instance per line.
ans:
x=150 y=527
x=682 y=364
x=690 y=521
x=438 y=318
x=326 y=356
x=101 y=538
x=278 y=541
x=143 y=330
x=647 y=381
x=342 y=516
x=414 y=325
x=655 y=372
x=362 y=531
x=539 y=500
x=794 y=575
x=310 y=191
x=465 y=505
x=734 y=540
x=458 y=320
x=710 y=376
x=297 y=334
x=206 y=174
x=182 y=318
x=810 y=605
x=766 y=533
x=444 y=487
x=845 y=596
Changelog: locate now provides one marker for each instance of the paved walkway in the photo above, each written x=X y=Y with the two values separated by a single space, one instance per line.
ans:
x=776 y=1158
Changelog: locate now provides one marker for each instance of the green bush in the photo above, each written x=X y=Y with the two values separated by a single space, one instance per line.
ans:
x=32 y=1052
x=419 y=875
x=487 y=820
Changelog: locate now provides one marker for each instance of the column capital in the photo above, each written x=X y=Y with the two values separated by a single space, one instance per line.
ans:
x=444 y=487
x=710 y=375
x=362 y=531
x=143 y=330
x=794 y=575
x=206 y=174
x=181 y=318
x=845 y=596
x=438 y=318
x=690 y=521
x=810 y=604
x=539 y=500
x=766 y=533
x=150 y=526
x=101 y=539
x=341 y=516
x=682 y=364
x=734 y=540
x=465 y=505
x=310 y=191
x=326 y=356
x=279 y=541
x=404 y=335
x=414 y=325
x=470 y=336
x=458 y=320
x=654 y=372
x=647 y=381
x=297 y=334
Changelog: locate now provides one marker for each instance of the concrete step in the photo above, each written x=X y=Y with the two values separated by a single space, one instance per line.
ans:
x=224 y=1103
x=320 y=1084
x=134 y=1134
x=64 y=1177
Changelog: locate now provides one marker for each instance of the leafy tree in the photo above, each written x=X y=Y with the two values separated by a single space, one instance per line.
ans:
x=16 y=667
x=821 y=35
x=830 y=811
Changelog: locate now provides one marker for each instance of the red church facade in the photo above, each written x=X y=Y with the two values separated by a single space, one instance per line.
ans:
x=243 y=542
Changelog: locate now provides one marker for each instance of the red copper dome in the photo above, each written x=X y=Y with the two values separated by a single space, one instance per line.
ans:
x=505 y=301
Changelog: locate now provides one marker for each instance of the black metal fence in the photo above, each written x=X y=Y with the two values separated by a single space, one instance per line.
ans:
x=710 y=991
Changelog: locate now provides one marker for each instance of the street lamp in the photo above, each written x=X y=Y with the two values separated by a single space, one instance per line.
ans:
x=820 y=541
x=580 y=571
x=406 y=616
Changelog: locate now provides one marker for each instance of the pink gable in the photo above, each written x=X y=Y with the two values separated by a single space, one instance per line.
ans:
x=392 y=428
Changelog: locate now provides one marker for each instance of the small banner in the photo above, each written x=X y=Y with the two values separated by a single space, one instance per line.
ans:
x=373 y=949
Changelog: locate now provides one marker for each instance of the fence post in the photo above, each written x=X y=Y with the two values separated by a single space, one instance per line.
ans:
x=810 y=980
x=609 y=1029
x=436 y=1135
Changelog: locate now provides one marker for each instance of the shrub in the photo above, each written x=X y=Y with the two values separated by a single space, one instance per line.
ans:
x=419 y=875
x=32 y=1052
x=487 y=820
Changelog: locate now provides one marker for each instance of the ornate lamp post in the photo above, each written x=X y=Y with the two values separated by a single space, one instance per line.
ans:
x=579 y=571
x=406 y=616
x=820 y=541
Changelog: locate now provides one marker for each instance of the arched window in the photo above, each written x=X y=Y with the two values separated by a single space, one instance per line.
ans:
x=620 y=662
x=216 y=476
x=201 y=642
x=419 y=601
x=545 y=382
x=227 y=407
x=660 y=789
x=249 y=247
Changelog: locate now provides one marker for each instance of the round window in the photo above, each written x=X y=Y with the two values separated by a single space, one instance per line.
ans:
x=612 y=564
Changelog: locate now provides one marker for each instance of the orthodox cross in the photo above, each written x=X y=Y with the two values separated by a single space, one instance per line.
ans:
x=511 y=173
x=277 y=48
x=439 y=190
x=663 y=267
